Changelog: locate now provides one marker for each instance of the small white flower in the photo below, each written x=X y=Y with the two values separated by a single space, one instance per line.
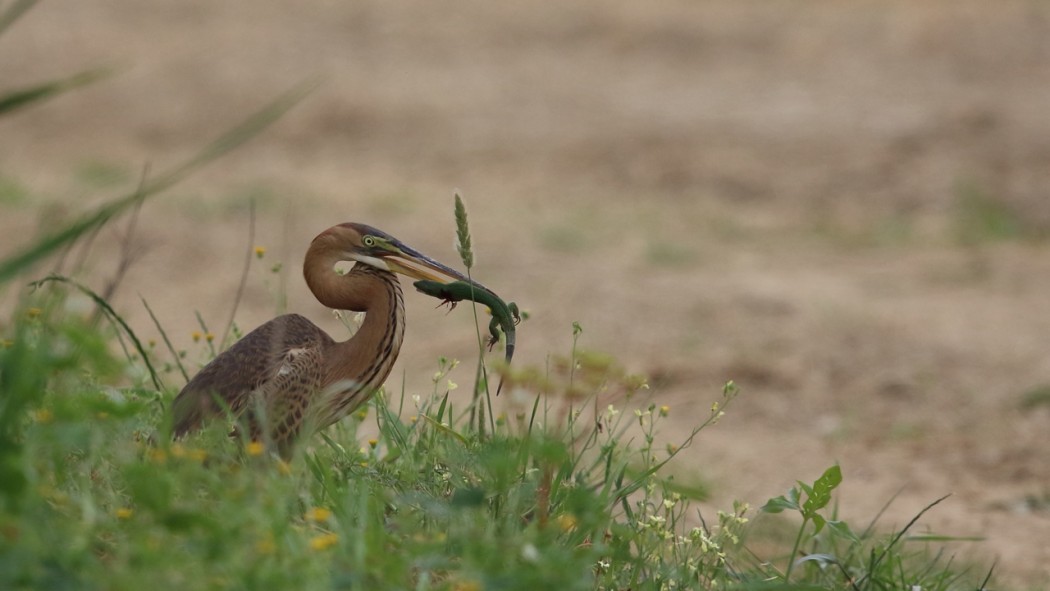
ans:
x=529 y=553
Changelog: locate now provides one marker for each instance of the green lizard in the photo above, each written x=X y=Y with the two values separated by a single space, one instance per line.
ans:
x=504 y=316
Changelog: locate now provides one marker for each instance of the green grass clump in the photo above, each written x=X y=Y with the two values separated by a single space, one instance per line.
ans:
x=94 y=495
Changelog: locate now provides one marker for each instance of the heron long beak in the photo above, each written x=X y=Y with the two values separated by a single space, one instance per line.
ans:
x=413 y=263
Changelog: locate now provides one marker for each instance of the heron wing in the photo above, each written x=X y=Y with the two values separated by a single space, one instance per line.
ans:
x=280 y=362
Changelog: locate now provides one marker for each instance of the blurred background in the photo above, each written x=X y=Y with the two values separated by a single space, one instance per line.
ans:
x=843 y=207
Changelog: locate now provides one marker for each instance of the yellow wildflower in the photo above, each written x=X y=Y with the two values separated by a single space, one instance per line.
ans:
x=209 y=337
x=324 y=541
x=318 y=514
x=373 y=443
x=43 y=415
x=467 y=585
x=196 y=336
x=260 y=251
x=255 y=448
x=567 y=522
x=124 y=513
x=34 y=312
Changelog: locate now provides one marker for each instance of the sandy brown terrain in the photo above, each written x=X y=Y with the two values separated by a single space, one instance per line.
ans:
x=844 y=207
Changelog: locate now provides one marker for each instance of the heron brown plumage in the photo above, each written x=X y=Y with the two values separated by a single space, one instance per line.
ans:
x=288 y=378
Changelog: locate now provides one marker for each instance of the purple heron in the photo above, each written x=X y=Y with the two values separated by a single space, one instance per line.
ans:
x=288 y=378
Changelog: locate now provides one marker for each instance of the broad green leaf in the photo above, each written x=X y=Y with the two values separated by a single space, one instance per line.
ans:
x=820 y=495
x=841 y=529
x=778 y=504
x=818 y=521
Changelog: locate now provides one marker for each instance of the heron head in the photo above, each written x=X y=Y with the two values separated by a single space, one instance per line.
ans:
x=371 y=246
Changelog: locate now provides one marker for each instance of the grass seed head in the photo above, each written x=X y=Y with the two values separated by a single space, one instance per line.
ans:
x=463 y=234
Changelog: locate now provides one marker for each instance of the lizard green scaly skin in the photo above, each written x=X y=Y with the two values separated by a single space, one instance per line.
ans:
x=504 y=316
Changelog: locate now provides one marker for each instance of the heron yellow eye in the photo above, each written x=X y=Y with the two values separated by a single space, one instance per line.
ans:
x=369 y=241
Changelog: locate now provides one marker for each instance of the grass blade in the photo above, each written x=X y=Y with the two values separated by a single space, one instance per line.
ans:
x=233 y=138
x=113 y=316
x=25 y=97
x=167 y=341
x=13 y=13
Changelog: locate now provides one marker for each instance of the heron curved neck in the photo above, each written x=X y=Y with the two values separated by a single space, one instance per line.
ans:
x=354 y=291
x=370 y=353
x=368 y=356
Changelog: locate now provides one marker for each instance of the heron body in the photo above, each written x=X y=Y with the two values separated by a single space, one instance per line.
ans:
x=288 y=378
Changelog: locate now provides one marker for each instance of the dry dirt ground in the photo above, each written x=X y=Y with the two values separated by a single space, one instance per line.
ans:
x=844 y=207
